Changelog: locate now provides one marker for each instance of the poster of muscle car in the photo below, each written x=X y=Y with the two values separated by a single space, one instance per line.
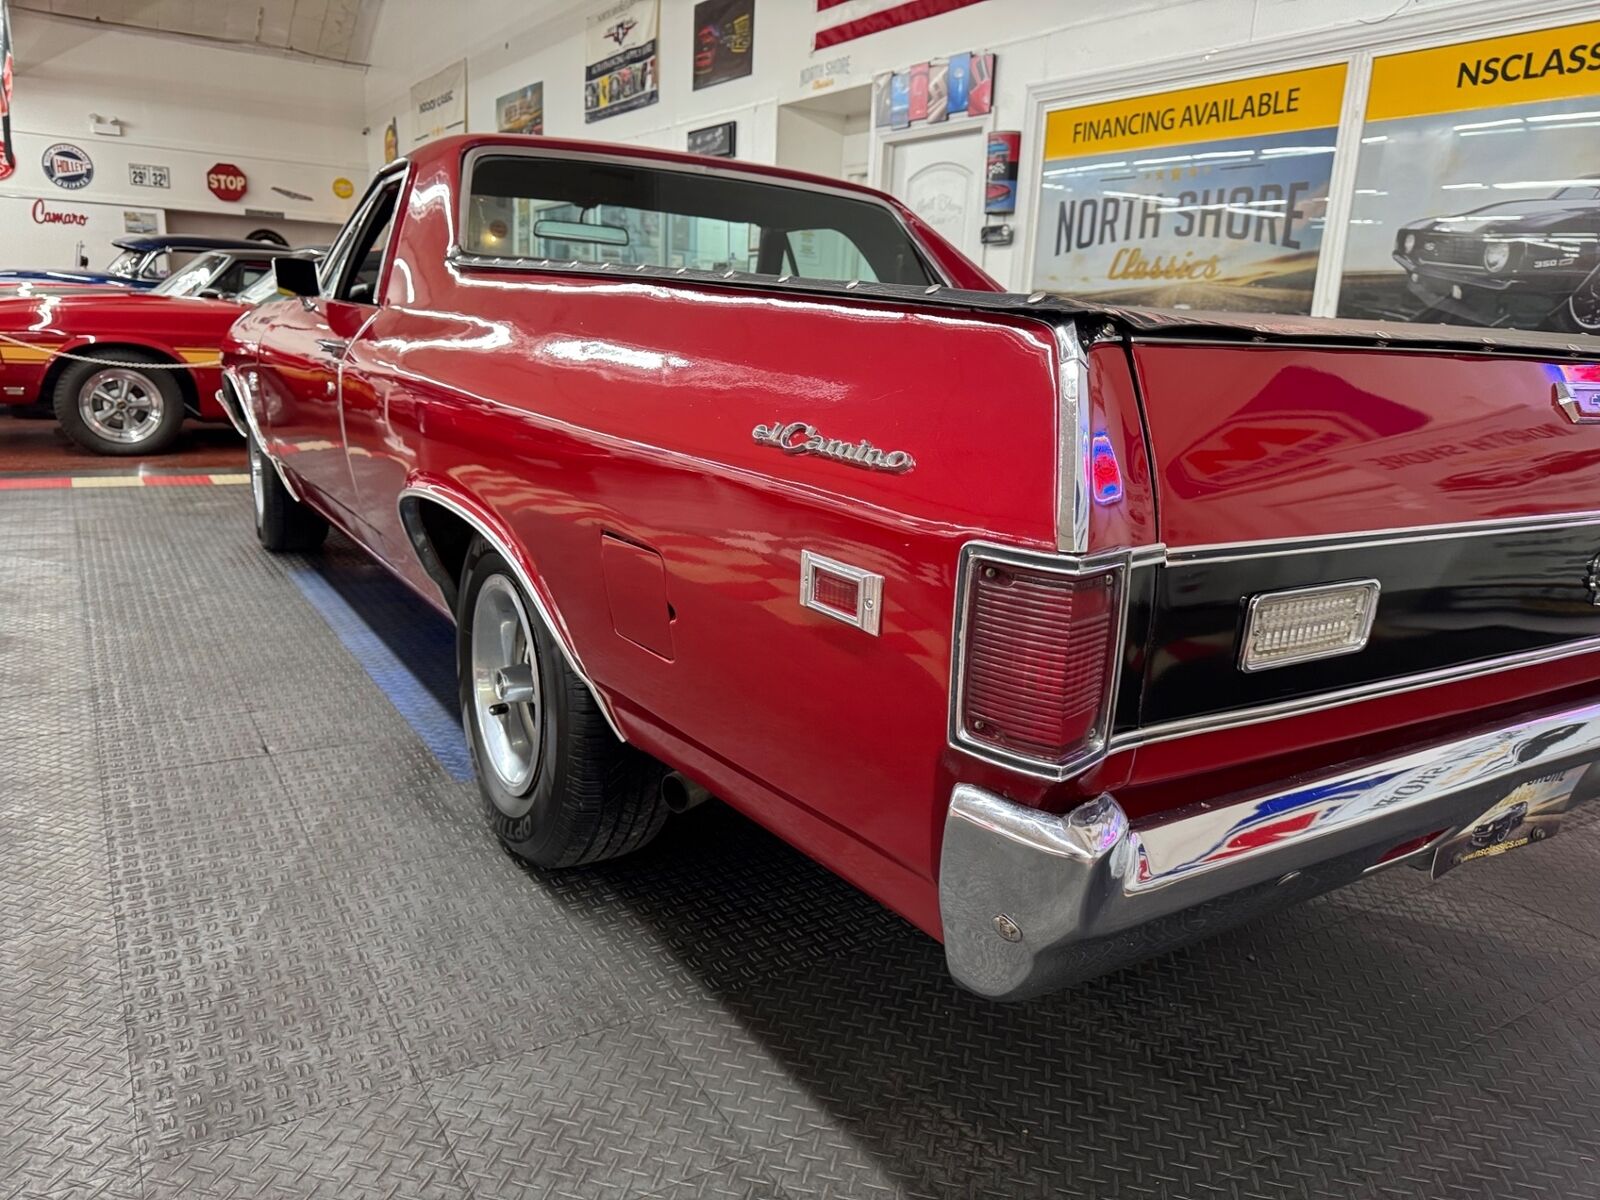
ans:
x=1477 y=197
x=521 y=111
x=724 y=41
x=1212 y=197
x=621 y=70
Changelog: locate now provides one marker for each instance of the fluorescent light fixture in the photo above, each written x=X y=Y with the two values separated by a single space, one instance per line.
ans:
x=1581 y=116
x=1487 y=124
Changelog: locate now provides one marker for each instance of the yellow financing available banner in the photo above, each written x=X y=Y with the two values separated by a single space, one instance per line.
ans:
x=1206 y=197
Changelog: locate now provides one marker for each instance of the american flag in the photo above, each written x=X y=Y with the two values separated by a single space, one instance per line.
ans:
x=845 y=20
x=8 y=157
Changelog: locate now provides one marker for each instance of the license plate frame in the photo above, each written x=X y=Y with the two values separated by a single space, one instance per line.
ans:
x=1528 y=814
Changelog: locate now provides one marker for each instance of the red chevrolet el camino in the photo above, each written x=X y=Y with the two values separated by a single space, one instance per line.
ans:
x=1071 y=633
x=120 y=368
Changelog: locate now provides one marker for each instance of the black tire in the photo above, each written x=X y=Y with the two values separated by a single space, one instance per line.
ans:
x=157 y=384
x=1580 y=311
x=589 y=796
x=282 y=522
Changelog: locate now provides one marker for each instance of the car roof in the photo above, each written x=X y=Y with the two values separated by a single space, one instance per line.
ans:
x=183 y=241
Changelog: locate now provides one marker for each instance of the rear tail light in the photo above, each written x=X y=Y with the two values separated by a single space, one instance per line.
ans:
x=1036 y=655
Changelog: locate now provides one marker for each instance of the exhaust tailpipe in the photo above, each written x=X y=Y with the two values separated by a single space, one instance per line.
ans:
x=680 y=793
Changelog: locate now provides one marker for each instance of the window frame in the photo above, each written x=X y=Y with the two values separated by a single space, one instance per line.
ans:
x=459 y=252
x=332 y=271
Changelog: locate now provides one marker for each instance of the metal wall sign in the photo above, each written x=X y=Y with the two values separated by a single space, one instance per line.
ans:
x=68 y=166
x=227 y=182
x=718 y=141
x=149 y=175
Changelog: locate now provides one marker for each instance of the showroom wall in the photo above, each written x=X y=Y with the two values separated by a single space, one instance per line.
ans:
x=1043 y=48
x=184 y=106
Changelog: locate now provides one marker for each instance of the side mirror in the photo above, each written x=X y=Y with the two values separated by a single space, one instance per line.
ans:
x=297 y=276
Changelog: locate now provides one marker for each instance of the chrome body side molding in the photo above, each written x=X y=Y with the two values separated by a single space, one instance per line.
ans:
x=410 y=518
x=1032 y=901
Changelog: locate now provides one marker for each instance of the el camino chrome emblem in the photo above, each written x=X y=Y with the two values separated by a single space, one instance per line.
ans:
x=799 y=438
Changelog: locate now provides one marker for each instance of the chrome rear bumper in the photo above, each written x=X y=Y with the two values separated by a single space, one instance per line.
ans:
x=1032 y=901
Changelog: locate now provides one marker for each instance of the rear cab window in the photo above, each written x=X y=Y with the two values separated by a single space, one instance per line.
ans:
x=593 y=212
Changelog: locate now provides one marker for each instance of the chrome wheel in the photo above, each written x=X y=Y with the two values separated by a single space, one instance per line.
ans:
x=121 y=405
x=505 y=691
x=1584 y=304
x=258 y=482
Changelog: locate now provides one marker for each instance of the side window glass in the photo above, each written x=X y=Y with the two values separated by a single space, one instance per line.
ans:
x=359 y=270
x=828 y=254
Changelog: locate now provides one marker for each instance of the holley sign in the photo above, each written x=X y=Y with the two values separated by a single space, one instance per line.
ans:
x=227 y=182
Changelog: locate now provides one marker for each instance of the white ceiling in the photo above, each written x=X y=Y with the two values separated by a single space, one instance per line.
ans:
x=339 y=30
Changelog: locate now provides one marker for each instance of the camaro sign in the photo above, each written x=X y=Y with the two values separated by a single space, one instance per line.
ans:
x=227 y=182
x=1210 y=197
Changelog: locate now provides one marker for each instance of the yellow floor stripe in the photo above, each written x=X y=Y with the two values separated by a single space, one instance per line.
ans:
x=96 y=481
x=230 y=478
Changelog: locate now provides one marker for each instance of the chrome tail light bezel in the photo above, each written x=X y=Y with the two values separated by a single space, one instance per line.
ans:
x=975 y=556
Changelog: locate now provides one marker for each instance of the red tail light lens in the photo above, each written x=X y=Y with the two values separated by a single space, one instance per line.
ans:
x=1037 y=661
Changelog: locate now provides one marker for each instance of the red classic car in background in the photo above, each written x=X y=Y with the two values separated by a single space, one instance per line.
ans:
x=1069 y=632
x=120 y=368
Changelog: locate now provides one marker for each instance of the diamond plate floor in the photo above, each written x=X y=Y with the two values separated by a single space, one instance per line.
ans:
x=255 y=942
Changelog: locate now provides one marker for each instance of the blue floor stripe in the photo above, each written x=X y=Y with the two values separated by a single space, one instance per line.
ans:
x=438 y=727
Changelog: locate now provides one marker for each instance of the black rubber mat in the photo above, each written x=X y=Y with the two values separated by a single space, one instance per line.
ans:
x=254 y=941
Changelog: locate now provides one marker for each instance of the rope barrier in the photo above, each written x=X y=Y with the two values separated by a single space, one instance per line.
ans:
x=110 y=362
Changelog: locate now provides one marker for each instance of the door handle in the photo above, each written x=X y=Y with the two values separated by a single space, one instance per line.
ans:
x=332 y=347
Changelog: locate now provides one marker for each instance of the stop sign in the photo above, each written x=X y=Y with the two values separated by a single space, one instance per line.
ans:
x=227 y=182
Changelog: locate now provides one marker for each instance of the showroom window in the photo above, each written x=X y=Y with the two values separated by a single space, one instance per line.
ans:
x=531 y=206
x=1458 y=184
x=1477 y=194
x=1212 y=197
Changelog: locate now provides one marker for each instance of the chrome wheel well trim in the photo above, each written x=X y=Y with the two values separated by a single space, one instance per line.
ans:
x=231 y=378
x=417 y=535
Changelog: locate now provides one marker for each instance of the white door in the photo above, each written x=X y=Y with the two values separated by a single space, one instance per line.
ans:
x=940 y=178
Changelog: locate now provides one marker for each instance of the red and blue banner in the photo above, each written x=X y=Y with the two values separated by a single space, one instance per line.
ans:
x=845 y=20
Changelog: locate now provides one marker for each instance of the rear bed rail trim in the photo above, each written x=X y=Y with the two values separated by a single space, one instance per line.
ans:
x=1317 y=543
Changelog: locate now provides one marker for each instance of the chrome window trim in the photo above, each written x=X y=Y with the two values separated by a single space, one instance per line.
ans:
x=340 y=245
x=1302 y=593
x=1073 y=439
x=1100 y=742
x=460 y=255
x=558 y=630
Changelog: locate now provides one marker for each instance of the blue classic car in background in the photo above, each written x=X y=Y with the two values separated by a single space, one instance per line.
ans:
x=142 y=263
